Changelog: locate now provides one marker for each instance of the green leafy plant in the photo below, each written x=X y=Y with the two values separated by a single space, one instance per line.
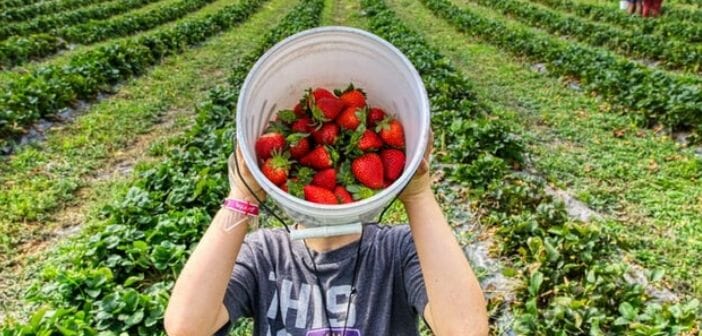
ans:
x=120 y=276
x=657 y=96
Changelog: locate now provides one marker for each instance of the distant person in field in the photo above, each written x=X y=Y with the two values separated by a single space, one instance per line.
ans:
x=651 y=8
x=304 y=288
x=634 y=6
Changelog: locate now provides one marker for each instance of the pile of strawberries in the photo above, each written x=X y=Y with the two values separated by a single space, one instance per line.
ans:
x=332 y=148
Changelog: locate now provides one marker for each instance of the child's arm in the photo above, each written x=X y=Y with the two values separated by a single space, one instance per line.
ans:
x=196 y=305
x=456 y=305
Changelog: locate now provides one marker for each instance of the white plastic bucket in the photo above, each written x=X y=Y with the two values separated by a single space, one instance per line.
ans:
x=623 y=5
x=332 y=57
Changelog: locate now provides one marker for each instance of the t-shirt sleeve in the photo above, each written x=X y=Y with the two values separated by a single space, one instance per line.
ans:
x=238 y=298
x=412 y=273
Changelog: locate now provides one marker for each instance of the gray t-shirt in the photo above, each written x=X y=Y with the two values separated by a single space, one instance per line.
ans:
x=274 y=282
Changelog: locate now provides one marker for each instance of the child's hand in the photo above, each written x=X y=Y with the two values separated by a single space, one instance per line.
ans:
x=421 y=182
x=237 y=188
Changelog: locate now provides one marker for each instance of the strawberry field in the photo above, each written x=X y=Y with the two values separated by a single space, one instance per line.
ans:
x=567 y=152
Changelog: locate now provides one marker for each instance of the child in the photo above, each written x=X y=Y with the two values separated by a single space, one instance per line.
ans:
x=375 y=283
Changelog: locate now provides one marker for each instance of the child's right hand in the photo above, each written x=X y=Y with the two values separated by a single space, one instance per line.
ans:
x=237 y=188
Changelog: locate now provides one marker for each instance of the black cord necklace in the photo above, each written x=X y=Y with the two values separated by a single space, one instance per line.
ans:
x=352 y=293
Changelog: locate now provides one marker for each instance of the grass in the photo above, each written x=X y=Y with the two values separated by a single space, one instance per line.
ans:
x=640 y=177
x=41 y=179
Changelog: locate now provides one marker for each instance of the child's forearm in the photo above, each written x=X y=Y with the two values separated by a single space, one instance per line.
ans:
x=196 y=304
x=456 y=304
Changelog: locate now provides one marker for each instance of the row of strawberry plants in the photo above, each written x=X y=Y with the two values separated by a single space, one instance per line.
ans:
x=54 y=21
x=7 y=4
x=565 y=255
x=95 y=31
x=18 y=50
x=42 y=8
x=117 y=280
x=683 y=14
x=49 y=88
x=663 y=26
x=657 y=96
x=673 y=54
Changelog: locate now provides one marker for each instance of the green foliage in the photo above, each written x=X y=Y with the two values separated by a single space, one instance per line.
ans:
x=673 y=54
x=95 y=31
x=18 y=50
x=119 y=278
x=674 y=101
x=49 y=88
x=574 y=281
x=7 y=4
x=667 y=27
x=46 y=7
x=47 y=23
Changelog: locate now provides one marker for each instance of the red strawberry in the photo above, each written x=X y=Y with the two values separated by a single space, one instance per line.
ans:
x=276 y=168
x=302 y=125
x=327 y=134
x=393 y=163
x=353 y=98
x=368 y=170
x=375 y=115
x=350 y=118
x=267 y=143
x=299 y=147
x=320 y=93
x=390 y=130
x=326 y=109
x=284 y=186
x=343 y=195
x=325 y=179
x=319 y=158
x=369 y=141
x=319 y=195
x=299 y=111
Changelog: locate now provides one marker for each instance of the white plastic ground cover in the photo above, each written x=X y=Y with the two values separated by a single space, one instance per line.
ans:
x=333 y=57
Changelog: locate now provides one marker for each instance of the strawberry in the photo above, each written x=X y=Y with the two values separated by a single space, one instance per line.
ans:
x=319 y=195
x=353 y=98
x=393 y=163
x=302 y=125
x=368 y=169
x=269 y=142
x=369 y=141
x=390 y=130
x=320 y=93
x=299 y=145
x=327 y=134
x=375 y=115
x=325 y=179
x=299 y=111
x=326 y=109
x=350 y=118
x=276 y=168
x=320 y=158
x=342 y=195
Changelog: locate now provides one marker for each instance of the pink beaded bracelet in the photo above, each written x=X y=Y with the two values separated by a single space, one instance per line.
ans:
x=241 y=206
